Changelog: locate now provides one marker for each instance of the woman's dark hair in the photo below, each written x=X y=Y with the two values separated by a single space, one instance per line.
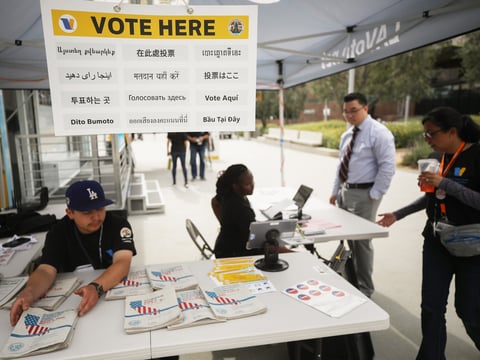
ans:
x=229 y=177
x=446 y=118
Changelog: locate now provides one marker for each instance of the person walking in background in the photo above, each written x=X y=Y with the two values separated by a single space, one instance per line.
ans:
x=177 y=143
x=454 y=200
x=198 y=144
x=364 y=173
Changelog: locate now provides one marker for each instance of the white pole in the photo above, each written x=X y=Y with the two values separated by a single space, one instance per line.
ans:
x=281 y=120
x=407 y=108
x=351 y=80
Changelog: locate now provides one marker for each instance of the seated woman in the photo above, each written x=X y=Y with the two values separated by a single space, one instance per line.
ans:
x=232 y=208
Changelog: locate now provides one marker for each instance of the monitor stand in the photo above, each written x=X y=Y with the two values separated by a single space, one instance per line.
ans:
x=271 y=262
x=300 y=215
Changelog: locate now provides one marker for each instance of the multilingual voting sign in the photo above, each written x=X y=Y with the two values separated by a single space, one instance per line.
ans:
x=146 y=68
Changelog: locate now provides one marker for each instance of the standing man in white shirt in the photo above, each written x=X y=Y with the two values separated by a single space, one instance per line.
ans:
x=363 y=176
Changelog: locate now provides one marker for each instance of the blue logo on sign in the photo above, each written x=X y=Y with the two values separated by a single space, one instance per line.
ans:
x=67 y=23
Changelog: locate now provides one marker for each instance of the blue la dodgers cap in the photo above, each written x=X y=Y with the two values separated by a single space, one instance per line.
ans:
x=86 y=195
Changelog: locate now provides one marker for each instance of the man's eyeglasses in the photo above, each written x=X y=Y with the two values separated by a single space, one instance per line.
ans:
x=351 y=112
x=430 y=135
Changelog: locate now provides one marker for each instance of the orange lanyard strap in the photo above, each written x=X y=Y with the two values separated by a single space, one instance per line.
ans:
x=443 y=208
x=450 y=163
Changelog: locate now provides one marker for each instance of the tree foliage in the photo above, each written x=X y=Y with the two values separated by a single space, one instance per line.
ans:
x=394 y=78
x=470 y=58
x=391 y=79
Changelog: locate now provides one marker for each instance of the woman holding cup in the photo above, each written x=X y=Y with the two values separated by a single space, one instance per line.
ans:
x=452 y=200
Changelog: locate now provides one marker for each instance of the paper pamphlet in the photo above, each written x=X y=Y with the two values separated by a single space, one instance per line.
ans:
x=240 y=270
x=10 y=287
x=233 y=301
x=135 y=283
x=151 y=311
x=6 y=255
x=275 y=210
x=326 y=298
x=177 y=275
x=39 y=331
x=61 y=289
x=195 y=309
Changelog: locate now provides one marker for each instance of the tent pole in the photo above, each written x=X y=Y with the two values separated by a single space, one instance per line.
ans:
x=351 y=80
x=281 y=107
x=282 y=156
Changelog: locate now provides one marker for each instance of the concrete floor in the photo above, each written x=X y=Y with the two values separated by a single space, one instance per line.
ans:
x=163 y=238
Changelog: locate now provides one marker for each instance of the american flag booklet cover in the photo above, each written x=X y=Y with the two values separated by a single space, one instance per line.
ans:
x=195 y=310
x=177 y=275
x=40 y=331
x=135 y=283
x=151 y=311
x=233 y=301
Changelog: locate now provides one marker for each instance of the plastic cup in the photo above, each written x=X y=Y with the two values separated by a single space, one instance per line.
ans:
x=430 y=165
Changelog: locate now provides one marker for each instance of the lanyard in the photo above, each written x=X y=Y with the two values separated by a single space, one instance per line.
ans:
x=442 y=172
x=77 y=235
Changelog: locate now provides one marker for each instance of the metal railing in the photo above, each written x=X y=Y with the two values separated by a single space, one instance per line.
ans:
x=57 y=161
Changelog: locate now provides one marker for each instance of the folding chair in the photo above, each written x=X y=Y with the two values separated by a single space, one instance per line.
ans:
x=199 y=240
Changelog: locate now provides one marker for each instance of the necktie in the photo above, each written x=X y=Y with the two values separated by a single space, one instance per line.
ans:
x=343 y=173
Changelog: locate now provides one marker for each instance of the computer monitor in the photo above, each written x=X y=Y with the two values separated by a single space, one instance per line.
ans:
x=267 y=235
x=300 y=198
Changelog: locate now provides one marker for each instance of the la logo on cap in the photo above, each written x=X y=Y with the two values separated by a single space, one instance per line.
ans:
x=92 y=194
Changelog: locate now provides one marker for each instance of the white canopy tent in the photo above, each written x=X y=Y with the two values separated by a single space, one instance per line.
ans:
x=298 y=40
x=306 y=39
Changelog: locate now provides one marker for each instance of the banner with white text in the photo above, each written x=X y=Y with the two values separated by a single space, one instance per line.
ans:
x=150 y=68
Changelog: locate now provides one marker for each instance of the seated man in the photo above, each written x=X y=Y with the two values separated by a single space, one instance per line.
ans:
x=87 y=235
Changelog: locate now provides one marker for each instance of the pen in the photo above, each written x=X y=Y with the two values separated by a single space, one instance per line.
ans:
x=299 y=228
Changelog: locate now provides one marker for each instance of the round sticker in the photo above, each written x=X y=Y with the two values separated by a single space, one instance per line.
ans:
x=291 y=291
x=304 y=297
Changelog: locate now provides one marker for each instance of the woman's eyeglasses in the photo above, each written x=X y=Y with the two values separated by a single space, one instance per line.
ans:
x=430 y=135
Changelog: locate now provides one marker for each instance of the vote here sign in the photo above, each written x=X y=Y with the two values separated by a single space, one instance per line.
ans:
x=150 y=68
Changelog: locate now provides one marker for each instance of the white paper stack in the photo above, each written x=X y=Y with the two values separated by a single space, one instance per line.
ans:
x=39 y=331
x=135 y=283
x=61 y=289
x=233 y=301
x=195 y=310
x=178 y=276
x=151 y=311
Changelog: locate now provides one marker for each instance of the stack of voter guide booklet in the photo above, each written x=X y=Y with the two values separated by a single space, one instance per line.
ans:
x=61 y=289
x=176 y=310
x=233 y=301
x=177 y=275
x=151 y=311
x=39 y=331
x=9 y=288
x=135 y=283
x=195 y=310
